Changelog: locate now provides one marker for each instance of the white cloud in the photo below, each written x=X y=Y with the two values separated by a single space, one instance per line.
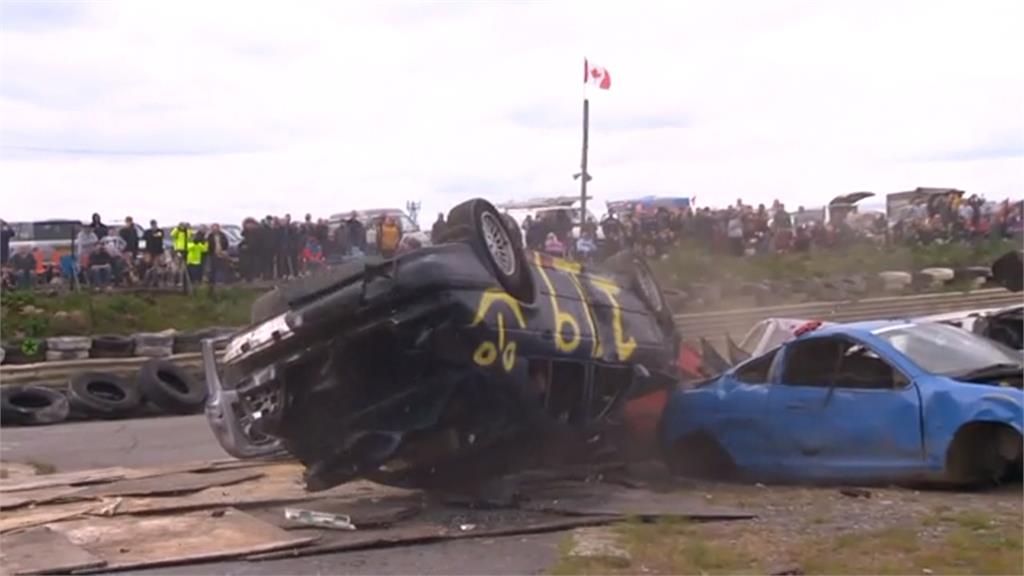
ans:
x=217 y=110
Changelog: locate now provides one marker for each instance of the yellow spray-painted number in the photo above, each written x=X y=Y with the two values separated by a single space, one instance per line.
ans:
x=624 y=345
x=572 y=269
x=562 y=318
x=487 y=352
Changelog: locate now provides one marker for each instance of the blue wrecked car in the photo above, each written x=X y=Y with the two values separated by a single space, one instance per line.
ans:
x=882 y=401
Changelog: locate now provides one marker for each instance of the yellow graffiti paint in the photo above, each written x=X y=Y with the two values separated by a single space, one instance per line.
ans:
x=487 y=352
x=624 y=346
x=561 y=318
x=572 y=269
x=492 y=295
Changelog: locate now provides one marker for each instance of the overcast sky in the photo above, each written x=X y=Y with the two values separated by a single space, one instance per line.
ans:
x=215 y=110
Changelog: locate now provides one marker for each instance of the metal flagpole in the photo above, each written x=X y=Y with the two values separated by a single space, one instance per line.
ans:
x=583 y=164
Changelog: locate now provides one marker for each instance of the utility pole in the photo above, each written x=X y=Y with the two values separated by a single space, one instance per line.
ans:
x=413 y=208
x=584 y=175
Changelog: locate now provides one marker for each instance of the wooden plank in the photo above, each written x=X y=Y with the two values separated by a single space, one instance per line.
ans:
x=11 y=500
x=421 y=532
x=100 y=475
x=182 y=482
x=39 y=515
x=146 y=541
x=77 y=478
x=281 y=483
x=43 y=551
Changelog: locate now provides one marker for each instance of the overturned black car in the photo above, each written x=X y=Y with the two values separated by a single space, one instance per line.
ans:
x=444 y=366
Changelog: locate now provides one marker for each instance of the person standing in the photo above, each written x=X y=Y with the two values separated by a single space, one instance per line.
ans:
x=98 y=227
x=24 y=265
x=153 y=244
x=6 y=233
x=388 y=237
x=356 y=235
x=130 y=235
x=217 y=242
x=197 y=249
x=438 y=230
x=84 y=244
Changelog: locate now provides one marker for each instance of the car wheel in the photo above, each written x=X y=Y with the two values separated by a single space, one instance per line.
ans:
x=112 y=346
x=701 y=456
x=99 y=394
x=170 y=388
x=642 y=280
x=33 y=405
x=983 y=454
x=479 y=224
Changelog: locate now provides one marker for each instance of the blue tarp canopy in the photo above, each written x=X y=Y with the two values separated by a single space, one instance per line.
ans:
x=650 y=203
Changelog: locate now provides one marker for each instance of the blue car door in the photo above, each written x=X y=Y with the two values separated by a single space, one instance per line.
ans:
x=841 y=411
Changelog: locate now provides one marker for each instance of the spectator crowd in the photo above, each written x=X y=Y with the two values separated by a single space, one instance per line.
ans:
x=272 y=248
x=742 y=229
x=275 y=248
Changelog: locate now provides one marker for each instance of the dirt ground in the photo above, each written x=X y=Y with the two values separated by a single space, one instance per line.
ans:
x=831 y=530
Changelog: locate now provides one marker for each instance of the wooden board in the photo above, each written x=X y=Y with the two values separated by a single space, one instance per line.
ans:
x=101 y=475
x=11 y=500
x=424 y=532
x=182 y=482
x=43 y=551
x=36 y=516
x=143 y=541
x=279 y=483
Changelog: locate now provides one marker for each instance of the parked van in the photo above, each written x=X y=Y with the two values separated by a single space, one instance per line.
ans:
x=52 y=236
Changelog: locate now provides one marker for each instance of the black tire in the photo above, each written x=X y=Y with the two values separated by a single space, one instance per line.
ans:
x=170 y=388
x=14 y=352
x=473 y=222
x=974 y=458
x=642 y=282
x=185 y=342
x=112 y=346
x=1008 y=270
x=104 y=395
x=32 y=405
x=701 y=456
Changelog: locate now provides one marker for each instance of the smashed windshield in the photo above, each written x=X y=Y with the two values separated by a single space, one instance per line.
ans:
x=946 y=350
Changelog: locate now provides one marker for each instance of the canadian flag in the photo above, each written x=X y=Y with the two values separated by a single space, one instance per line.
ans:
x=596 y=75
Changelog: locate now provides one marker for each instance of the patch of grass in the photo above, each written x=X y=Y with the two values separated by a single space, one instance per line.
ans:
x=974 y=545
x=665 y=546
x=42 y=468
x=121 y=312
x=688 y=264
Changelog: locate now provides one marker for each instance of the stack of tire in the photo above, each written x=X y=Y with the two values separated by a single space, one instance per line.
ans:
x=112 y=346
x=188 y=342
x=24 y=351
x=154 y=344
x=68 y=348
x=90 y=395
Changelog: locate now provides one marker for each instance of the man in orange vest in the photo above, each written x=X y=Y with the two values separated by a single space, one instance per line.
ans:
x=389 y=237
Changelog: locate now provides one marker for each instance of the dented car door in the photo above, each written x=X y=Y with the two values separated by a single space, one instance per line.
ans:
x=842 y=410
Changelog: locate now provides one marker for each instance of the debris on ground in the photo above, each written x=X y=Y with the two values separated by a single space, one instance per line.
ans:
x=855 y=492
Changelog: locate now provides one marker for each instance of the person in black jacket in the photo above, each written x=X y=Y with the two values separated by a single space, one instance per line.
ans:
x=130 y=235
x=98 y=227
x=217 y=255
x=439 y=228
x=6 y=233
x=356 y=234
